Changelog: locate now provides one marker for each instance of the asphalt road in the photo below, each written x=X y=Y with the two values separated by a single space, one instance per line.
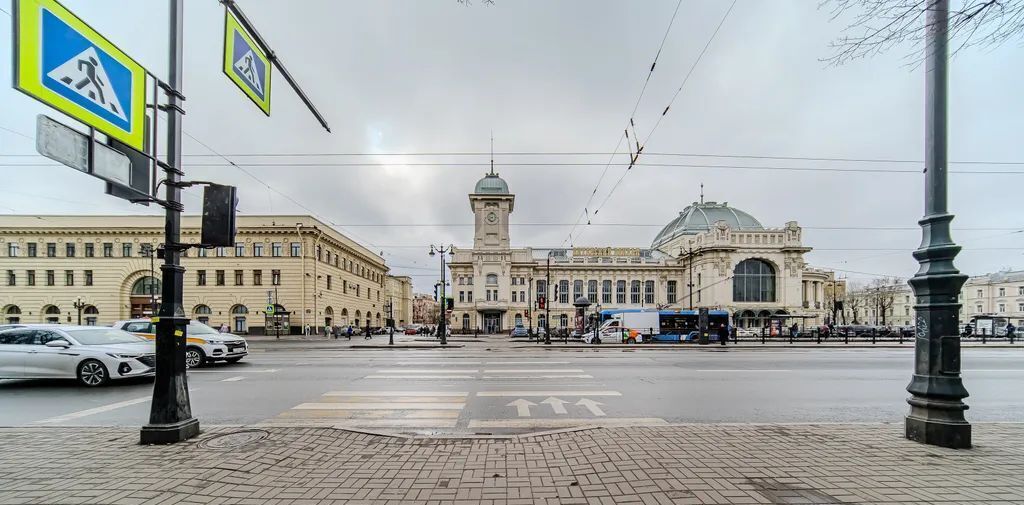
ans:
x=509 y=391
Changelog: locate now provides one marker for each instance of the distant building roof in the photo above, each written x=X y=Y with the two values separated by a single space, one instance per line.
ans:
x=699 y=217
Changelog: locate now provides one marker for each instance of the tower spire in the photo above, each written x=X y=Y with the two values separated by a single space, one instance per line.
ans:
x=702 y=193
x=492 y=152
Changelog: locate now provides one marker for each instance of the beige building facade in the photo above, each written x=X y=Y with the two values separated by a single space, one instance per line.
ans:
x=102 y=264
x=425 y=309
x=399 y=292
x=732 y=262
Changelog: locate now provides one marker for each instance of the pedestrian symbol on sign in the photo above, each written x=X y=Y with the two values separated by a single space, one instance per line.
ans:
x=246 y=66
x=85 y=75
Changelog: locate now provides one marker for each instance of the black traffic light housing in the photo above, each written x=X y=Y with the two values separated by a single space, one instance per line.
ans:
x=541 y=301
x=219 y=208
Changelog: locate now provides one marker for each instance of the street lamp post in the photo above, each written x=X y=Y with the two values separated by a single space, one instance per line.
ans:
x=441 y=330
x=79 y=305
x=547 y=303
x=937 y=391
x=391 y=319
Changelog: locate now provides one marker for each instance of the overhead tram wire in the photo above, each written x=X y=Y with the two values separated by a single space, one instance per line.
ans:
x=625 y=133
x=669 y=106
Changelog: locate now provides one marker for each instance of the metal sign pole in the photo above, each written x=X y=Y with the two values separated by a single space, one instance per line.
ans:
x=170 y=416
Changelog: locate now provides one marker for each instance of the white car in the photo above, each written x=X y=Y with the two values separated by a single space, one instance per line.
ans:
x=202 y=343
x=92 y=354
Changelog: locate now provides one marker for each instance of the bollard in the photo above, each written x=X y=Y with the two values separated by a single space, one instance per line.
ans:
x=762 y=335
x=846 y=336
x=874 y=334
x=901 y=336
x=983 y=336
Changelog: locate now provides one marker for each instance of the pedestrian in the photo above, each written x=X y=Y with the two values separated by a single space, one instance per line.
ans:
x=968 y=330
x=1011 y=330
x=223 y=327
x=794 y=330
x=348 y=334
x=723 y=334
x=305 y=330
x=367 y=336
x=327 y=331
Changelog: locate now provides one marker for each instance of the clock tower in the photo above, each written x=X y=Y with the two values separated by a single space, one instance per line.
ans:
x=491 y=203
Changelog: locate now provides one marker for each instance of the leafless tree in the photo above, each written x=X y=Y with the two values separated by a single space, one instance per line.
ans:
x=880 y=25
x=880 y=295
x=470 y=2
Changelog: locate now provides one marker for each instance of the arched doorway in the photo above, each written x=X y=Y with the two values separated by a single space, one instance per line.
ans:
x=202 y=313
x=92 y=315
x=51 y=314
x=328 y=316
x=465 y=322
x=12 y=314
x=344 y=317
x=238 y=319
x=518 y=319
x=357 y=318
x=378 y=320
x=563 y=321
x=541 y=319
x=143 y=296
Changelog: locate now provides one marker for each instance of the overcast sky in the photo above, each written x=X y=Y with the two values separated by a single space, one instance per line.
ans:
x=437 y=76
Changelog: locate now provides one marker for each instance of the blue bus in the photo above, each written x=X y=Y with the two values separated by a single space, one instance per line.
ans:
x=677 y=325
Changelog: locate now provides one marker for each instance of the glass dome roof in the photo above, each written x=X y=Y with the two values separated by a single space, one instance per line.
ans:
x=700 y=217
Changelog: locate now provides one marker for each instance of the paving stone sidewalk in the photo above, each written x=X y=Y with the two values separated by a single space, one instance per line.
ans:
x=686 y=464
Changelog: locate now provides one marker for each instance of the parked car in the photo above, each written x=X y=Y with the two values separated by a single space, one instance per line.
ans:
x=412 y=331
x=519 y=331
x=203 y=343
x=93 y=355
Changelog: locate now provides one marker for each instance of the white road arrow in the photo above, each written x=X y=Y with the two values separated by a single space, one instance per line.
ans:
x=557 y=404
x=592 y=406
x=522 y=407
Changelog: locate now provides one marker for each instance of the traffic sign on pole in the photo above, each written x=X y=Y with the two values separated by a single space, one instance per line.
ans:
x=61 y=61
x=245 y=63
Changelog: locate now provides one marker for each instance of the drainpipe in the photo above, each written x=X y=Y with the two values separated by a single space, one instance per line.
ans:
x=298 y=232
x=316 y=244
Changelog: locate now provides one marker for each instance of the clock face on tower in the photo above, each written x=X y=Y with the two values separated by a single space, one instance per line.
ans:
x=492 y=217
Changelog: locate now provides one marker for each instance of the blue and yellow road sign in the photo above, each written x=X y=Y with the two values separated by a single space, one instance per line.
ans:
x=61 y=61
x=245 y=63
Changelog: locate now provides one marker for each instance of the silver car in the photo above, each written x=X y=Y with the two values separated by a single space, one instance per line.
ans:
x=91 y=354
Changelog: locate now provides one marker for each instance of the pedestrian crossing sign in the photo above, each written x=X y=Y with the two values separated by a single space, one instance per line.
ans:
x=61 y=61
x=245 y=63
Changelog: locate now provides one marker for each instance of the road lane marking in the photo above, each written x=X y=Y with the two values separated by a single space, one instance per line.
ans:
x=503 y=377
x=380 y=406
x=233 y=370
x=738 y=370
x=527 y=363
x=233 y=379
x=522 y=407
x=557 y=404
x=566 y=423
x=418 y=377
x=97 y=410
x=534 y=370
x=547 y=393
x=591 y=405
x=394 y=393
x=415 y=363
x=425 y=370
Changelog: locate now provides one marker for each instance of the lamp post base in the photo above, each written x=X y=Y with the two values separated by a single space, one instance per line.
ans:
x=169 y=433
x=951 y=434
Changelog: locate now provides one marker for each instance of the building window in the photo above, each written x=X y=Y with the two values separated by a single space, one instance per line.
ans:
x=620 y=292
x=522 y=296
x=69 y=277
x=1020 y=306
x=219 y=277
x=201 y=253
x=126 y=250
x=30 y=277
x=238 y=314
x=220 y=252
x=52 y=314
x=238 y=277
x=51 y=250
x=979 y=293
x=239 y=250
x=257 y=277
x=50 y=280
x=69 y=250
x=492 y=279
x=670 y=292
x=592 y=291
x=634 y=292
x=12 y=249
x=32 y=251
x=1002 y=291
x=977 y=308
x=563 y=291
x=906 y=311
x=275 y=249
x=606 y=292
x=90 y=250
x=542 y=288
x=469 y=281
x=275 y=277
x=319 y=252
x=88 y=277
x=465 y=321
x=753 y=281
x=563 y=321
x=649 y=292
x=1002 y=308
x=296 y=250
x=577 y=290
x=462 y=280
x=257 y=249
x=1020 y=290
x=12 y=280
x=513 y=297
x=328 y=282
x=469 y=296
x=108 y=250
x=462 y=296
x=200 y=277
x=358 y=290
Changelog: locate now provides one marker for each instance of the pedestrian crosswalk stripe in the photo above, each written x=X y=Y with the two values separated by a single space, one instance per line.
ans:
x=521 y=393
x=422 y=370
x=419 y=377
x=422 y=363
x=502 y=377
x=369 y=414
x=527 y=363
x=566 y=423
x=535 y=370
x=395 y=393
x=396 y=423
x=380 y=406
x=391 y=399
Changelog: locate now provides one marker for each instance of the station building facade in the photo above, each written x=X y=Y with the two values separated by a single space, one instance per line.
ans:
x=732 y=261
x=105 y=267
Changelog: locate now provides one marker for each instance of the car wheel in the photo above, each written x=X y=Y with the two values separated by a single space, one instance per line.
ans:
x=194 y=357
x=630 y=340
x=92 y=373
x=233 y=360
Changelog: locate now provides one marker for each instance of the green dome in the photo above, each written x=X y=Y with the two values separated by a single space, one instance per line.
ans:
x=491 y=184
x=699 y=217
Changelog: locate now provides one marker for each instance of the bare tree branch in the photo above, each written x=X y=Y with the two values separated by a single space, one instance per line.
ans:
x=877 y=26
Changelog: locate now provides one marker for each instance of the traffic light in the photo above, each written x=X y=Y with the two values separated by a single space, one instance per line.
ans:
x=541 y=300
x=435 y=291
x=449 y=304
x=220 y=204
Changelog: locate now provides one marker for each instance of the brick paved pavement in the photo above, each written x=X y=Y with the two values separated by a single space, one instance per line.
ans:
x=688 y=464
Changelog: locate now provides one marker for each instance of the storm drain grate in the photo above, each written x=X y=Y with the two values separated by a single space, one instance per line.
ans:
x=233 y=440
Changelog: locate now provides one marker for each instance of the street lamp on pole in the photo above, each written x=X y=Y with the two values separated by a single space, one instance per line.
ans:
x=441 y=327
x=547 y=303
x=937 y=391
x=79 y=305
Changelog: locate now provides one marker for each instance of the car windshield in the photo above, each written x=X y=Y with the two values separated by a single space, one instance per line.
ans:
x=197 y=328
x=103 y=336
